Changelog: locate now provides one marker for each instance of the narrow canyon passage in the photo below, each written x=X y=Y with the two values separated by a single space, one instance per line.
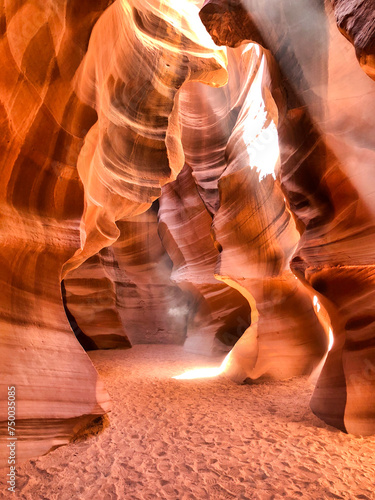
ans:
x=201 y=439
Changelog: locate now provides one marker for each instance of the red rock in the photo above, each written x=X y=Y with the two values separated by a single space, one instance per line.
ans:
x=257 y=237
x=91 y=299
x=153 y=309
x=218 y=312
x=325 y=133
x=124 y=296
x=121 y=115
x=356 y=21
x=58 y=391
x=43 y=125
x=135 y=146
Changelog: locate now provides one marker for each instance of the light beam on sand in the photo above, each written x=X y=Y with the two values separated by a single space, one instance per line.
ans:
x=204 y=372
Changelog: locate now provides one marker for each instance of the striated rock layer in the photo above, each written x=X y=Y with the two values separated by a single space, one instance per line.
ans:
x=306 y=100
x=132 y=147
x=135 y=146
x=257 y=237
x=43 y=125
x=327 y=155
x=90 y=297
x=153 y=309
x=218 y=312
x=124 y=296
x=235 y=113
x=207 y=117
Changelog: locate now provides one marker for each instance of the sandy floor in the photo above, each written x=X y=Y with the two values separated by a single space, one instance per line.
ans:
x=201 y=439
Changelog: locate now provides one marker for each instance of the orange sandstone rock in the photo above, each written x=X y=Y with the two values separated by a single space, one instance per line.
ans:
x=327 y=154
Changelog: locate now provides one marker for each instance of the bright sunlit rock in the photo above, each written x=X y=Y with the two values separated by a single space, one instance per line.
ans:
x=331 y=339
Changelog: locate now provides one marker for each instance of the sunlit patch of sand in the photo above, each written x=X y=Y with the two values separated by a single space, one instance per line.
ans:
x=201 y=439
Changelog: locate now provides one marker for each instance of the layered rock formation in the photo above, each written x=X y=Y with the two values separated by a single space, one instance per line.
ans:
x=153 y=309
x=75 y=180
x=208 y=116
x=135 y=146
x=227 y=134
x=257 y=237
x=42 y=123
x=327 y=150
x=41 y=199
x=123 y=295
x=356 y=21
x=218 y=312
x=91 y=300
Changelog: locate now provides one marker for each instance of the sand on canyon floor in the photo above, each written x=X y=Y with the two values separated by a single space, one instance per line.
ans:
x=201 y=439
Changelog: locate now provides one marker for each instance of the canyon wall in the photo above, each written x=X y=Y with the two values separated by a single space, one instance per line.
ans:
x=230 y=140
x=43 y=124
x=327 y=149
x=124 y=295
x=268 y=174
x=52 y=80
x=218 y=312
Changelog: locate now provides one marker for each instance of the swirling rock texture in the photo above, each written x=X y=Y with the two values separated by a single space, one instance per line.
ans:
x=43 y=126
x=327 y=155
x=356 y=21
x=132 y=151
x=257 y=237
x=123 y=295
x=92 y=306
x=291 y=340
x=218 y=312
x=153 y=309
x=207 y=119
x=304 y=94
x=207 y=116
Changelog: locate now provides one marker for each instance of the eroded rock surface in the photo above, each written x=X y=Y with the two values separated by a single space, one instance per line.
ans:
x=152 y=307
x=257 y=237
x=91 y=299
x=135 y=146
x=43 y=124
x=327 y=150
x=124 y=296
x=41 y=198
x=89 y=141
x=230 y=140
x=356 y=21
x=218 y=312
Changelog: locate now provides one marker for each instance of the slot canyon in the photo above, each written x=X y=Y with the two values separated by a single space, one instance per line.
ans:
x=187 y=258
